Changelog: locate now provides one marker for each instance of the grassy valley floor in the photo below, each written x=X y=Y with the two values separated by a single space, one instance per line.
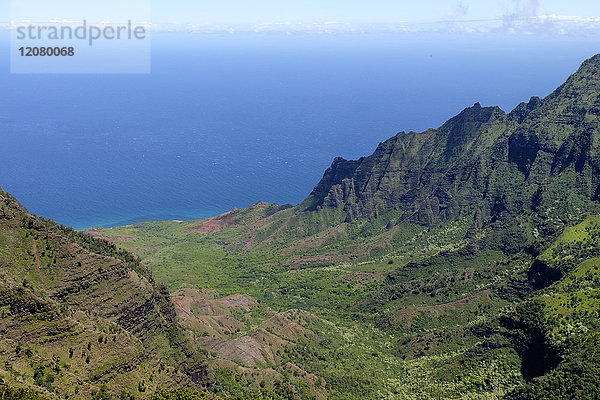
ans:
x=330 y=320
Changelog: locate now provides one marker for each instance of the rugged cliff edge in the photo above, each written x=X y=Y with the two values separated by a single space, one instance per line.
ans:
x=84 y=313
x=482 y=161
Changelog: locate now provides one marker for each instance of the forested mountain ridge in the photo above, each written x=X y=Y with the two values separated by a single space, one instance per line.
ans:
x=482 y=161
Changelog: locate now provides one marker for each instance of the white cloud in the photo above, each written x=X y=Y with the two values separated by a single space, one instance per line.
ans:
x=330 y=27
x=522 y=12
x=526 y=8
x=521 y=18
x=536 y=24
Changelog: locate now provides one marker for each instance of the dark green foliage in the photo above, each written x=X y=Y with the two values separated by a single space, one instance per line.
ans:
x=577 y=377
x=9 y=393
x=231 y=385
x=42 y=376
x=558 y=330
x=102 y=394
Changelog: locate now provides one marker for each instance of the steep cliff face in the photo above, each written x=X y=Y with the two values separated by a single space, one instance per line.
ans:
x=402 y=170
x=60 y=289
x=481 y=162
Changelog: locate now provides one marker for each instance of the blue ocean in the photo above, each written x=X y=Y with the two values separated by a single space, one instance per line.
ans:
x=224 y=120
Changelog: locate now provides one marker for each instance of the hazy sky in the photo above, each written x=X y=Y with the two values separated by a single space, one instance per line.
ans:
x=473 y=15
x=362 y=11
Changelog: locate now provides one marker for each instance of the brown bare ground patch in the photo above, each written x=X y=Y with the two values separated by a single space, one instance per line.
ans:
x=38 y=263
x=203 y=311
x=257 y=348
x=250 y=242
x=206 y=312
x=260 y=347
x=283 y=325
x=215 y=224
x=238 y=301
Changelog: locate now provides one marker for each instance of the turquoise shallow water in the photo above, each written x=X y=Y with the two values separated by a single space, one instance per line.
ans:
x=225 y=121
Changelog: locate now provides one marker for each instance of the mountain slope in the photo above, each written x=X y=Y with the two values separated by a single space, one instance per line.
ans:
x=395 y=175
x=563 y=320
x=80 y=316
x=481 y=161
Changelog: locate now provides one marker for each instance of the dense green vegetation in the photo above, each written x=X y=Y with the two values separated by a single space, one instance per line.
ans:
x=567 y=316
x=9 y=393
x=357 y=304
